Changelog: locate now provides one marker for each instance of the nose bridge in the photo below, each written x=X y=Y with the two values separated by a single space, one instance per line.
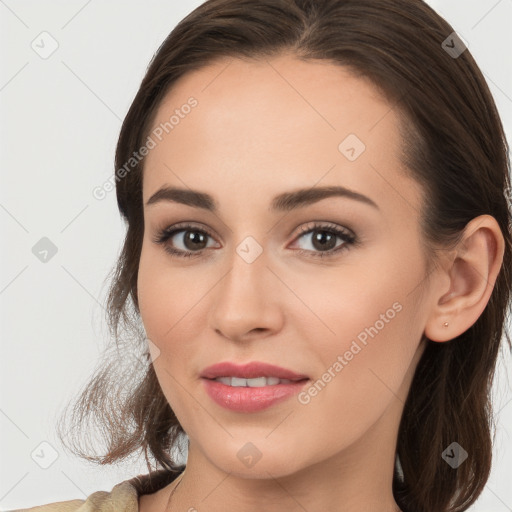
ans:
x=243 y=298
x=244 y=283
x=248 y=259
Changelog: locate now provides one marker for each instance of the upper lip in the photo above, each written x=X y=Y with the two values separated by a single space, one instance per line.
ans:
x=249 y=370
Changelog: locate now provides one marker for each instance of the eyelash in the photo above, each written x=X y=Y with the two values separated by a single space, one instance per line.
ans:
x=348 y=238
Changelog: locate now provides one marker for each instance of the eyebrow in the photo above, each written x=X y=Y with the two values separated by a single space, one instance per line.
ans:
x=284 y=202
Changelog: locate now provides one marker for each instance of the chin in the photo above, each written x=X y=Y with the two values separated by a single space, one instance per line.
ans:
x=253 y=461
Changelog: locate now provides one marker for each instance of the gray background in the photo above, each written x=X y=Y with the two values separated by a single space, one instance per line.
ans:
x=59 y=121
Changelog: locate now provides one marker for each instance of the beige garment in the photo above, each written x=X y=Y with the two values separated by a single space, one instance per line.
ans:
x=124 y=497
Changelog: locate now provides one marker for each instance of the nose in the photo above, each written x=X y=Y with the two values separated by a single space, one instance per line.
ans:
x=246 y=301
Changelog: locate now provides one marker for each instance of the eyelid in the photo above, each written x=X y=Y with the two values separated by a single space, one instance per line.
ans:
x=184 y=226
x=323 y=224
x=192 y=225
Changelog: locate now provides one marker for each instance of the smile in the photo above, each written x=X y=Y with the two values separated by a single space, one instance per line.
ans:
x=257 y=382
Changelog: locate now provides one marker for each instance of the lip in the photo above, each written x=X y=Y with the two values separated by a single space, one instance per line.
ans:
x=247 y=399
x=250 y=370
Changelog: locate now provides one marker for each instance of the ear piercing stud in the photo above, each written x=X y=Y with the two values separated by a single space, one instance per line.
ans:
x=445 y=324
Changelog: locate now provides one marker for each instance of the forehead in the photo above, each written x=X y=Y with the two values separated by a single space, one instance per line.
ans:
x=274 y=125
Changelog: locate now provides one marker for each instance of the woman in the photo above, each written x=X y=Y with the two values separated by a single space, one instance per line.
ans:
x=319 y=252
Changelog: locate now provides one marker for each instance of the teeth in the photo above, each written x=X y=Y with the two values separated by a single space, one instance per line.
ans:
x=257 y=382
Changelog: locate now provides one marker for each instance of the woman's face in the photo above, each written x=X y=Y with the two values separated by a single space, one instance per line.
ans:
x=269 y=280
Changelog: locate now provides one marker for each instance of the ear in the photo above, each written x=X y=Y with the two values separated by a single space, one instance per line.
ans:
x=472 y=270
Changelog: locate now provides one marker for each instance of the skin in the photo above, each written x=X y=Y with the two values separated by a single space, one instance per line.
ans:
x=262 y=128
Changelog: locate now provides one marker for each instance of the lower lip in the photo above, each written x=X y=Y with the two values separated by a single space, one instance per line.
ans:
x=247 y=399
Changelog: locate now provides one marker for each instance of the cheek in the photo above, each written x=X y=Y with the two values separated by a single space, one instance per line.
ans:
x=361 y=377
x=149 y=292
x=360 y=299
x=172 y=306
x=366 y=352
x=163 y=314
x=160 y=294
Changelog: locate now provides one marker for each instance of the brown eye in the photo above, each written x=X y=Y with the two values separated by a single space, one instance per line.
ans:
x=189 y=239
x=322 y=240
x=194 y=240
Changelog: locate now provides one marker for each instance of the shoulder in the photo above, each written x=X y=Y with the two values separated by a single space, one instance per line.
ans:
x=124 y=496
x=61 y=506
x=153 y=482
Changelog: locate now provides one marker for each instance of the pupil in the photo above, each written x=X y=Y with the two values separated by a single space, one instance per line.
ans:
x=320 y=238
x=195 y=238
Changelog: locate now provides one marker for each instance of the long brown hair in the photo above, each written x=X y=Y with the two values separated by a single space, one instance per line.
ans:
x=455 y=148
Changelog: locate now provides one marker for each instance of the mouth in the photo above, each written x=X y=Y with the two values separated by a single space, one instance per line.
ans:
x=250 y=387
x=252 y=374
x=251 y=395
x=257 y=382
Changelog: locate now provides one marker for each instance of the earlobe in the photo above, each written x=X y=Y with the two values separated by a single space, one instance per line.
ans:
x=472 y=272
